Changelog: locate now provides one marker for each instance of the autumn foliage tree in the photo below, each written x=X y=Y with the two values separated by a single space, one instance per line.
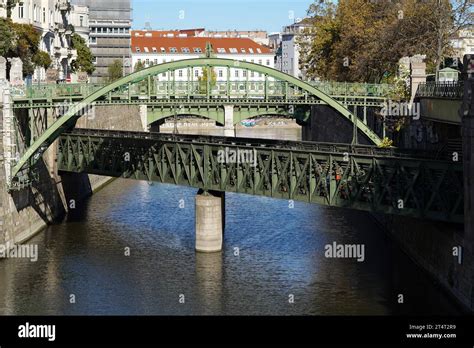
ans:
x=363 y=40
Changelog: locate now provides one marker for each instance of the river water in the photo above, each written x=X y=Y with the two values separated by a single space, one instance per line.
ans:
x=84 y=267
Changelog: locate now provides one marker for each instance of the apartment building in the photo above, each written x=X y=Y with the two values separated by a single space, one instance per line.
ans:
x=110 y=23
x=51 y=18
x=154 y=49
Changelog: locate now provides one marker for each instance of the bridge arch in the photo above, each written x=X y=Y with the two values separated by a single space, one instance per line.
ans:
x=35 y=151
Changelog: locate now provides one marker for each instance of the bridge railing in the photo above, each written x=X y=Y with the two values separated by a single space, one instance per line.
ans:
x=55 y=91
x=449 y=90
x=240 y=88
x=354 y=89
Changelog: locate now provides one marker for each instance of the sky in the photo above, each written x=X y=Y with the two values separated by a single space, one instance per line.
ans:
x=268 y=15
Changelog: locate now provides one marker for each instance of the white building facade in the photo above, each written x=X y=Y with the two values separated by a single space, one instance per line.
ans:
x=150 y=50
x=464 y=42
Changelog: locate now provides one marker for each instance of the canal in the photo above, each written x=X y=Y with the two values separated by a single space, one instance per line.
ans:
x=129 y=250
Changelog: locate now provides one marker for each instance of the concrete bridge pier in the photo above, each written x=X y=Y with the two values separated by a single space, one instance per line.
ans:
x=210 y=221
x=229 y=128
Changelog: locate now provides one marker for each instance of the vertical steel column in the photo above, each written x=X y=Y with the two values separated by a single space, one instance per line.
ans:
x=208 y=89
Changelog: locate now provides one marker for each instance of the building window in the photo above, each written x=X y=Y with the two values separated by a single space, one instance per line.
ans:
x=138 y=49
x=268 y=62
x=163 y=50
x=173 y=50
x=233 y=50
x=180 y=73
x=236 y=73
x=21 y=11
x=221 y=73
x=81 y=21
x=116 y=31
x=93 y=40
x=221 y=50
x=259 y=50
x=252 y=74
x=146 y=50
x=196 y=73
x=154 y=49
x=197 y=50
x=147 y=62
x=185 y=50
x=35 y=18
x=244 y=73
x=260 y=61
x=44 y=15
x=242 y=50
x=122 y=30
x=156 y=61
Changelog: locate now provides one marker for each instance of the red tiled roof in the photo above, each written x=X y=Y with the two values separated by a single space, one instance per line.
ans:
x=219 y=45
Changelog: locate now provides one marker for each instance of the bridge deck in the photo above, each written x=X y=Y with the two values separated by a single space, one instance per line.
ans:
x=357 y=177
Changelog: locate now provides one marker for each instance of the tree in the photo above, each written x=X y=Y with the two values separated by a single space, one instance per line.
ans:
x=203 y=80
x=85 y=60
x=25 y=45
x=6 y=37
x=443 y=19
x=115 y=70
x=42 y=59
x=360 y=40
x=139 y=66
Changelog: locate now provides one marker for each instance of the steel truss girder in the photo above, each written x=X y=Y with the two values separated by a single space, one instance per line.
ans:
x=400 y=186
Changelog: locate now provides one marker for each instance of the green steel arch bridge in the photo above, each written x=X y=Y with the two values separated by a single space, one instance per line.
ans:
x=367 y=178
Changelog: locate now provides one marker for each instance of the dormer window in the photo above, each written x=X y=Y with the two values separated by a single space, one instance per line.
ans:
x=173 y=50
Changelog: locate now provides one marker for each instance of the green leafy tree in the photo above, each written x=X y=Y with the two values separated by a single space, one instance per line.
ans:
x=85 y=60
x=139 y=66
x=207 y=75
x=6 y=37
x=25 y=45
x=115 y=70
x=42 y=59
